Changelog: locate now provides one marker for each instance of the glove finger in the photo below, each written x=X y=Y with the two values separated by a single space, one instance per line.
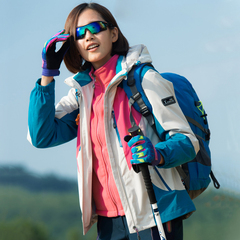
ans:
x=137 y=148
x=49 y=43
x=62 y=51
x=137 y=161
x=46 y=49
x=58 y=37
x=63 y=37
x=143 y=154
x=51 y=48
x=134 y=140
x=59 y=32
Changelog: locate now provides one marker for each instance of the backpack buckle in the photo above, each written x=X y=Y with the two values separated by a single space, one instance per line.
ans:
x=137 y=96
x=144 y=111
x=208 y=133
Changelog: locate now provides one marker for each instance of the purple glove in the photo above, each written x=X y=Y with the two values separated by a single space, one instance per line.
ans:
x=143 y=151
x=51 y=60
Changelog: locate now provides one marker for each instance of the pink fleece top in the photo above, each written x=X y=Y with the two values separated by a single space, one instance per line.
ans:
x=105 y=192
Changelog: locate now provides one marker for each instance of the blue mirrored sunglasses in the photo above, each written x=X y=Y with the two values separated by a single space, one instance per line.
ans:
x=93 y=27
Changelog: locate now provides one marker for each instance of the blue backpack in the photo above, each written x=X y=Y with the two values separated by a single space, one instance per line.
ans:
x=196 y=173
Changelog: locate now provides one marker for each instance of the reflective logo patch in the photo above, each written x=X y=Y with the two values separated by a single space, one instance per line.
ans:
x=168 y=101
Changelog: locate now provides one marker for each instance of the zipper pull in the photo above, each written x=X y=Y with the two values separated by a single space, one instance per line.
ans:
x=94 y=80
x=138 y=236
x=77 y=94
x=114 y=122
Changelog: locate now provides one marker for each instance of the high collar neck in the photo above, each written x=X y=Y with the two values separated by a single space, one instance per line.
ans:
x=106 y=72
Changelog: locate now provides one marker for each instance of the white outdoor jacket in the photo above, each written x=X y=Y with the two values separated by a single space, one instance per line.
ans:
x=179 y=146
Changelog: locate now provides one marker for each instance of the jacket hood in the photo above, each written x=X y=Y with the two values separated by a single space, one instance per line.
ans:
x=136 y=54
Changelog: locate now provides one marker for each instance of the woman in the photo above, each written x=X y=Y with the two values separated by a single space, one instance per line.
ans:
x=110 y=191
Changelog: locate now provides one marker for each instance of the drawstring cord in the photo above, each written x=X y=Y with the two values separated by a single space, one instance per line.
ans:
x=138 y=236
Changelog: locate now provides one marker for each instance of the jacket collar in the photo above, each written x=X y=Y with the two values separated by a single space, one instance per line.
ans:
x=136 y=55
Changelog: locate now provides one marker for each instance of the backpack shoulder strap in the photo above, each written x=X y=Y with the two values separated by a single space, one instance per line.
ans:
x=136 y=95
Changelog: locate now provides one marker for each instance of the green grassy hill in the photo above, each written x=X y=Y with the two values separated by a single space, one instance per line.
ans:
x=57 y=213
x=217 y=217
x=47 y=208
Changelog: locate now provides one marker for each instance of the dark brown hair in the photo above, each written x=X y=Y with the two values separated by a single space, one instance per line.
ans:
x=73 y=61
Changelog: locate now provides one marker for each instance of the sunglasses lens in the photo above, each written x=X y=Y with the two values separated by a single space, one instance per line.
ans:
x=94 y=27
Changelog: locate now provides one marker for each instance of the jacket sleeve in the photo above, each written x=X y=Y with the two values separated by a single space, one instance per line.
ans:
x=178 y=143
x=47 y=126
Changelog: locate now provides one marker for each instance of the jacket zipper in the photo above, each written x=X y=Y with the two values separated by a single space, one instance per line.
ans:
x=104 y=160
x=134 y=227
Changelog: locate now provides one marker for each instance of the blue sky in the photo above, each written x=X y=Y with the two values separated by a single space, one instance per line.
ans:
x=197 y=39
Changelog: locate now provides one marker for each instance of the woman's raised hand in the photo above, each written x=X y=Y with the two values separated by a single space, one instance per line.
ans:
x=51 y=60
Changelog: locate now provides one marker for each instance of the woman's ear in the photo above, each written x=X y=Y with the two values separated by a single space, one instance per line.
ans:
x=114 y=33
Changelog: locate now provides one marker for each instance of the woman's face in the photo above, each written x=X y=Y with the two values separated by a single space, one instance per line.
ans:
x=95 y=48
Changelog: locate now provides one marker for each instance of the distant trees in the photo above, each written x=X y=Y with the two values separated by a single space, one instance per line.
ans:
x=34 y=207
x=22 y=229
x=75 y=234
x=19 y=176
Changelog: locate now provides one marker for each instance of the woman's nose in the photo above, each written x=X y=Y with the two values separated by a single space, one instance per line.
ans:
x=88 y=35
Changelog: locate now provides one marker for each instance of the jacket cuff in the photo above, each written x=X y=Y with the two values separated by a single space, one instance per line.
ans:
x=50 y=88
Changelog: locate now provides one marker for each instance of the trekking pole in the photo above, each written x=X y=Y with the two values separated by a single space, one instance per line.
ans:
x=134 y=131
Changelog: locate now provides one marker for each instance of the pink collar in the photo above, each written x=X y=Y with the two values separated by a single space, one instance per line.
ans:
x=106 y=72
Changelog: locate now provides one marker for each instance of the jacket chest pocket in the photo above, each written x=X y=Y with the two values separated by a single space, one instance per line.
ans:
x=114 y=124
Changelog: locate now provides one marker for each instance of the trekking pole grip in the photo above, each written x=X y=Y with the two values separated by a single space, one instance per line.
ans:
x=148 y=182
x=134 y=131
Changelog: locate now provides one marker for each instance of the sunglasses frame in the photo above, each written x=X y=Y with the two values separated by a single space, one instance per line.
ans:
x=100 y=23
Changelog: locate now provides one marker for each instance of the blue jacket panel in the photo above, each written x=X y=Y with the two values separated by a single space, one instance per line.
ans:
x=44 y=128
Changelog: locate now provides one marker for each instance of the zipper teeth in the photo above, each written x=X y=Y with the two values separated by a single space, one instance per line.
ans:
x=124 y=191
x=103 y=156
